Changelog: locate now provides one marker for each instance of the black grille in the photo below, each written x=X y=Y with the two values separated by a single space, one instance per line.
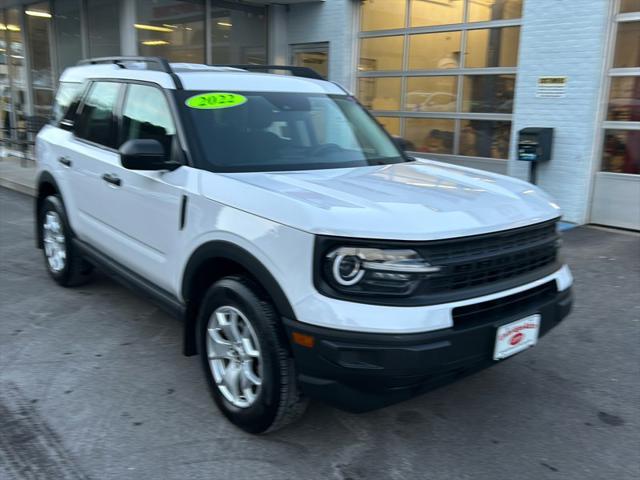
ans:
x=488 y=259
x=476 y=313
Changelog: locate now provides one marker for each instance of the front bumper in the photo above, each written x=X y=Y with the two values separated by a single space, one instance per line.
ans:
x=364 y=371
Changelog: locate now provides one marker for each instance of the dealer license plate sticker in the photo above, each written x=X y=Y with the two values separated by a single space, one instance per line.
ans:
x=516 y=336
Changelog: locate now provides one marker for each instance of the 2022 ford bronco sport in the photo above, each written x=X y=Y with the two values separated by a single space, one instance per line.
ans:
x=307 y=254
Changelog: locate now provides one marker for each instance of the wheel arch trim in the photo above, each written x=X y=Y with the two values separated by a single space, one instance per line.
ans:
x=225 y=250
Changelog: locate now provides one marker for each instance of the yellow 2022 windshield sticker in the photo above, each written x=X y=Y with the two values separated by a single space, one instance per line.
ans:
x=213 y=100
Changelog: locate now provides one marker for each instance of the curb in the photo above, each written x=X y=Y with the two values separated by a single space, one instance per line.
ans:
x=18 y=187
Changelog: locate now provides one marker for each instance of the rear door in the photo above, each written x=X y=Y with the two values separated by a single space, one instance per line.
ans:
x=92 y=152
x=52 y=142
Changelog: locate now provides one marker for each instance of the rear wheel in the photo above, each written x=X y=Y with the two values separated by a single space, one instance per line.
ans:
x=245 y=357
x=63 y=262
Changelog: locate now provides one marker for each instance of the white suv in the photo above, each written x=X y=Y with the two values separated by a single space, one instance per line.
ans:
x=307 y=254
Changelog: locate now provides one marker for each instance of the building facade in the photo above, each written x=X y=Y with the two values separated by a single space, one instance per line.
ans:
x=457 y=79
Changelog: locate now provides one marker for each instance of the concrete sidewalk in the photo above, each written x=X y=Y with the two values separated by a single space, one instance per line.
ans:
x=93 y=385
x=17 y=173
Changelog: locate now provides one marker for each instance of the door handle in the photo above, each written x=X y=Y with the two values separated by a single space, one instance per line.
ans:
x=112 y=179
x=65 y=161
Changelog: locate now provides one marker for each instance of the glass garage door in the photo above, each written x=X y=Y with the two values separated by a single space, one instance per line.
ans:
x=616 y=194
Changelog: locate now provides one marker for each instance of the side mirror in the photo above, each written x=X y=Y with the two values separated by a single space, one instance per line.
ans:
x=404 y=144
x=145 y=154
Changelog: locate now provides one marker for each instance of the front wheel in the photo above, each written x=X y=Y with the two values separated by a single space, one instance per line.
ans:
x=245 y=357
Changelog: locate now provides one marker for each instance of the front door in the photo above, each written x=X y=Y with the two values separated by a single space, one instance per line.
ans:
x=146 y=205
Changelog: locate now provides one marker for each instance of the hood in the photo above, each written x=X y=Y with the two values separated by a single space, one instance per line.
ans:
x=421 y=200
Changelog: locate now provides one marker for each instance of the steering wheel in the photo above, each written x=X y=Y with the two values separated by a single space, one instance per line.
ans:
x=324 y=149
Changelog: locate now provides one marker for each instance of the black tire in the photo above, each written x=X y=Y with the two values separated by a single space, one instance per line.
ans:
x=76 y=270
x=279 y=402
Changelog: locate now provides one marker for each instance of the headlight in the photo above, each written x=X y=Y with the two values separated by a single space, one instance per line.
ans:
x=373 y=270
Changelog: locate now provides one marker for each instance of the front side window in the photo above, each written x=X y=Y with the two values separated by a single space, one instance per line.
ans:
x=97 y=122
x=146 y=115
x=288 y=131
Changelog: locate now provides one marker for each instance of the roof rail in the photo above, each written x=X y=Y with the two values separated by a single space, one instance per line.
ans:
x=296 y=71
x=161 y=64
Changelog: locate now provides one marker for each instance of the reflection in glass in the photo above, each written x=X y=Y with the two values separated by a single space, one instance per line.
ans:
x=382 y=53
x=382 y=14
x=434 y=51
x=5 y=97
x=239 y=35
x=38 y=20
x=627 y=53
x=430 y=135
x=493 y=47
x=97 y=123
x=317 y=60
x=146 y=115
x=488 y=93
x=67 y=30
x=390 y=124
x=627 y=6
x=17 y=106
x=104 y=28
x=173 y=29
x=430 y=12
x=485 y=10
x=485 y=138
x=380 y=93
x=624 y=99
x=621 y=151
x=431 y=94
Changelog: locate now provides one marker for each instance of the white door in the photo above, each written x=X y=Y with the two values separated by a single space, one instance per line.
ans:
x=144 y=207
x=91 y=152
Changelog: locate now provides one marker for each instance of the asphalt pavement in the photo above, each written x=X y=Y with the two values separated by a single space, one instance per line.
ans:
x=93 y=385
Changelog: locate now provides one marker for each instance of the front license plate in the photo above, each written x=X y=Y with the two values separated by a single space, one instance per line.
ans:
x=516 y=336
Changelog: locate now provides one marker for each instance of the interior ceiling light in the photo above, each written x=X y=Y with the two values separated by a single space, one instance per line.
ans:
x=37 y=13
x=153 y=43
x=11 y=28
x=153 y=28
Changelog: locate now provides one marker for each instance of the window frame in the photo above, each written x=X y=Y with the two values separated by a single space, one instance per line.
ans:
x=459 y=115
x=185 y=147
x=611 y=72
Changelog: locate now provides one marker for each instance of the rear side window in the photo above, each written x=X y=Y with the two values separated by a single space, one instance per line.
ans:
x=68 y=93
x=97 y=122
x=146 y=115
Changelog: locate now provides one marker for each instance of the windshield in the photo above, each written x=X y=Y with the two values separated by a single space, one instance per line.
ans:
x=272 y=131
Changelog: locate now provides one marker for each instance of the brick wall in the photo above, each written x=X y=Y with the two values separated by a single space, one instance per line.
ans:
x=564 y=38
x=332 y=21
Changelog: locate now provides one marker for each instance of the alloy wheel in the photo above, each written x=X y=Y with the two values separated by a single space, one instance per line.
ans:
x=234 y=356
x=55 y=248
